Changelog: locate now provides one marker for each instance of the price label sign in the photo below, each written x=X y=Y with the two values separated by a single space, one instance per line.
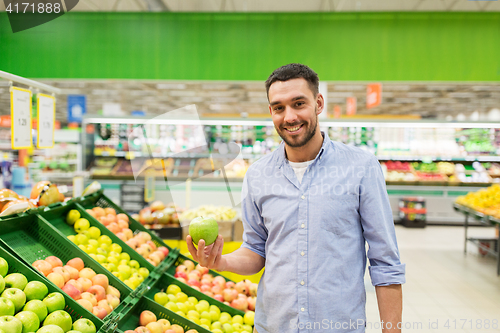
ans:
x=20 y=115
x=149 y=185
x=46 y=120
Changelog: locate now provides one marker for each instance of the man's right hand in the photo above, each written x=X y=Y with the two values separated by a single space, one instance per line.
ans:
x=208 y=256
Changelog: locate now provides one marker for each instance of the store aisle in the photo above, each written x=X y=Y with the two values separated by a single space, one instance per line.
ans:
x=445 y=291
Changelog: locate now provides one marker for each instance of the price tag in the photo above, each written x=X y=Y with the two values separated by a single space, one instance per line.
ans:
x=149 y=185
x=20 y=114
x=46 y=120
x=77 y=186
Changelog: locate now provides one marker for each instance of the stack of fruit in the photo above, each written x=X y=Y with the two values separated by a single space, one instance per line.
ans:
x=241 y=296
x=159 y=214
x=219 y=213
x=486 y=201
x=26 y=307
x=90 y=290
x=11 y=202
x=119 y=225
x=102 y=249
x=149 y=324
x=202 y=313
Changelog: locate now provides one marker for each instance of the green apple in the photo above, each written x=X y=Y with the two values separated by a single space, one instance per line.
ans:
x=72 y=216
x=225 y=317
x=116 y=248
x=101 y=259
x=30 y=321
x=206 y=315
x=172 y=306
x=193 y=300
x=7 y=308
x=144 y=272
x=237 y=319
x=227 y=328
x=134 y=264
x=172 y=298
x=94 y=233
x=73 y=331
x=72 y=238
x=247 y=328
x=59 y=318
x=214 y=316
x=54 y=301
x=181 y=297
x=84 y=325
x=101 y=251
x=37 y=307
x=214 y=308
x=81 y=239
x=11 y=324
x=193 y=313
x=35 y=290
x=50 y=329
x=204 y=228
x=4 y=267
x=124 y=256
x=182 y=314
x=2 y=284
x=216 y=325
x=249 y=318
x=173 y=289
x=16 y=280
x=182 y=307
x=214 y=330
x=161 y=298
x=125 y=270
x=17 y=297
x=105 y=240
x=81 y=225
x=205 y=321
x=90 y=249
x=237 y=327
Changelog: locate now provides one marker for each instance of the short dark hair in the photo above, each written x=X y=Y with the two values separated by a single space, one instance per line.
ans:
x=294 y=71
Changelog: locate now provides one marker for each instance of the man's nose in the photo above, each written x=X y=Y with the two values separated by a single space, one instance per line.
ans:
x=290 y=115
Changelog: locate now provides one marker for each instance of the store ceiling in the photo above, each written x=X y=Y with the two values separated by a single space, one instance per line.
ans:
x=285 y=5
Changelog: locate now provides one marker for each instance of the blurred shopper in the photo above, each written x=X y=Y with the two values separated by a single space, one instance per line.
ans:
x=308 y=209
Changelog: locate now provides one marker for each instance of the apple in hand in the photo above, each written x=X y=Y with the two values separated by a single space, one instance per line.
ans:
x=54 y=302
x=38 y=308
x=35 y=290
x=29 y=320
x=4 y=267
x=50 y=329
x=7 y=307
x=205 y=228
x=17 y=297
x=84 y=326
x=59 y=318
x=15 y=280
x=10 y=324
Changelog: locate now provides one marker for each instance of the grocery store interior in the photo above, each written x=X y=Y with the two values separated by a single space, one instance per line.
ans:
x=121 y=121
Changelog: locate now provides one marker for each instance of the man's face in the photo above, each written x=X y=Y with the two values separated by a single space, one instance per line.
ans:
x=294 y=111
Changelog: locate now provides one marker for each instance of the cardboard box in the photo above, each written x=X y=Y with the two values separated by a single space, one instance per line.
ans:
x=238 y=231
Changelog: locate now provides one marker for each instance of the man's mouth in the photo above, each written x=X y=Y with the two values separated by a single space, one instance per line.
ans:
x=294 y=129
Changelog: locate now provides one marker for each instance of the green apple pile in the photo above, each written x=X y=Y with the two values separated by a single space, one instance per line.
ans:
x=110 y=255
x=26 y=307
x=202 y=313
x=150 y=324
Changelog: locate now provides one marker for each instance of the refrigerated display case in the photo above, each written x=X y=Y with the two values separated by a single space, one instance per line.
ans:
x=433 y=159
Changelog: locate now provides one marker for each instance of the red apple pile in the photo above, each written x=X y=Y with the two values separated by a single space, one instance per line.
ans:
x=149 y=324
x=241 y=296
x=141 y=242
x=90 y=290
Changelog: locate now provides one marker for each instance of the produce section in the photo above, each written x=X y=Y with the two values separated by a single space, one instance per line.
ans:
x=85 y=249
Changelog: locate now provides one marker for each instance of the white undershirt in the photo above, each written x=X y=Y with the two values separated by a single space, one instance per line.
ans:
x=300 y=168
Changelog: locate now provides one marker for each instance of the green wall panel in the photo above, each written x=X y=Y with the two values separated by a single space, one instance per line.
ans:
x=239 y=46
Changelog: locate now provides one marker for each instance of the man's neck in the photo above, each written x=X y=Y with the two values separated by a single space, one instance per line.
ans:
x=307 y=152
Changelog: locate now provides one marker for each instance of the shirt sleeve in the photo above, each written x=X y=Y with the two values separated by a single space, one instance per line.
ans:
x=378 y=228
x=254 y=231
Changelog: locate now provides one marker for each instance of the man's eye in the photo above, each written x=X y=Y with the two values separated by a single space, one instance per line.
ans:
x=299 y=103
x=278 y=108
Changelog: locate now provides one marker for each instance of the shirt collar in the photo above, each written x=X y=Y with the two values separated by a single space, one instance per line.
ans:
x=281 y=158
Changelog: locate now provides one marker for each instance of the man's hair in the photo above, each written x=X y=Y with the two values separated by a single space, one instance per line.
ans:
x=294 y=71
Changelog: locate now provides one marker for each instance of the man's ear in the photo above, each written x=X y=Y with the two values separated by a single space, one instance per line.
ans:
x=270 y=110
x=320 y=103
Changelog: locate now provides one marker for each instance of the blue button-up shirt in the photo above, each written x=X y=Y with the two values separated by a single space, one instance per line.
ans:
x=312 y=235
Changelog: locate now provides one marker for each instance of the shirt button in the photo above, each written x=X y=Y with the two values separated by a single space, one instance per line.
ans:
x=302 y=282
x=302 y=253
x=302 y=309
x=303 y=197
x=302 y=225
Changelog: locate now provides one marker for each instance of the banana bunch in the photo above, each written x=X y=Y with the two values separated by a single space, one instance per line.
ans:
x=219 y=213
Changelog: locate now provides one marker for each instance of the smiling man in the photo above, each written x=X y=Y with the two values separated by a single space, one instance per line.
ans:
x=308 y=210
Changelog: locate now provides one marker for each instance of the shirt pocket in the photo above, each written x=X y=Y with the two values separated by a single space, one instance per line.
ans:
x=340 y=213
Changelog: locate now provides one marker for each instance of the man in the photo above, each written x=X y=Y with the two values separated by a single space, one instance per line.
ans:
x=308 y=208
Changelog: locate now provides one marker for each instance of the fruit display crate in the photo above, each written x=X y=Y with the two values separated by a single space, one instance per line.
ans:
x=75 y=310
x=166 y=279
x=180 y=259
x=98 y=199
x=130 y=319
x=56 y=216
x=31 y=238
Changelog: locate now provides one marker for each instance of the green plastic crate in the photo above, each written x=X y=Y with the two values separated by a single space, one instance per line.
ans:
x=31 y=238
x=75 y=310
x=167 y=279
x=131 y=319
x=98 y=199
x=56 y=216
x=181 y=258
